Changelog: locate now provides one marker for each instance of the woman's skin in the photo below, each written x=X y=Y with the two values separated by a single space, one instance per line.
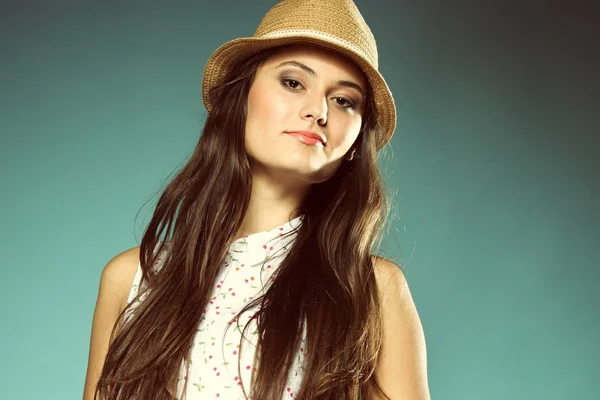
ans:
x=283 y=168
x=288 y=98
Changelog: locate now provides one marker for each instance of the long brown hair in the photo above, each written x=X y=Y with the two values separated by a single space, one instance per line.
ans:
x=320 y=283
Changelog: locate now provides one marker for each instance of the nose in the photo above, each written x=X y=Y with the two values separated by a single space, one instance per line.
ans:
x=316 y=108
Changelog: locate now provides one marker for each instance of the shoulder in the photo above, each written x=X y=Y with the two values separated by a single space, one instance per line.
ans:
x=394 y=292
x=115 y=282
x=403 y=336
x=393 y=289
x=118 y=274
x=389 y=276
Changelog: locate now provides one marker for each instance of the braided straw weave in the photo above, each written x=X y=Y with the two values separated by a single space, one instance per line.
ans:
x=334 y=24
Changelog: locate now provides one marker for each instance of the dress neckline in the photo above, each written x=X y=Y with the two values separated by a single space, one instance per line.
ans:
x=269 y=234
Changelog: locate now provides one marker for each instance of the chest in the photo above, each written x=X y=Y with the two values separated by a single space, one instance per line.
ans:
x=222 y=354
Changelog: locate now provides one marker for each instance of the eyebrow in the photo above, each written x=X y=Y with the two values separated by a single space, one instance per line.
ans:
x=312 y=72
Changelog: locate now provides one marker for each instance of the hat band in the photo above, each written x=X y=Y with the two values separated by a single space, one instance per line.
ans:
x=321 y=36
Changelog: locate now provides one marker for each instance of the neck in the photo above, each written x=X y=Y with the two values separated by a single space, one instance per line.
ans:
x=270 y=206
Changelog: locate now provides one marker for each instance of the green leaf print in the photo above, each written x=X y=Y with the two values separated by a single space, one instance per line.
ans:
x=199 y=387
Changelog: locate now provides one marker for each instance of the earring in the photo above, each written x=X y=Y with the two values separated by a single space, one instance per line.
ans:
x=351 y=155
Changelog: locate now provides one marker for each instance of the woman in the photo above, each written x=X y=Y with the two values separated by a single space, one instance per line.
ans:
x=256 y=276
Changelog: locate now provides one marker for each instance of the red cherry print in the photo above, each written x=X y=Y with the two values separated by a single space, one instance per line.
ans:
x=234 y=353
x=217 y=394
x=230 y=289
x=218 y=286
x=218 y=373
x=236 y=378
x=264 y=246
x=209 y=357
x=215 y=368
x=246 y=280
x=248 y=367
x=233 y=294
x=217 y=307
x=269 y=266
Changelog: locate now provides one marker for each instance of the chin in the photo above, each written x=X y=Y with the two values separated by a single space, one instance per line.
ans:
x=312 y=175
x=296 y=165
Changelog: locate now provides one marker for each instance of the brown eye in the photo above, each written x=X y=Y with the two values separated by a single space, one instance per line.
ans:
x=285 y=81
x=345 y=103
x=350 y=104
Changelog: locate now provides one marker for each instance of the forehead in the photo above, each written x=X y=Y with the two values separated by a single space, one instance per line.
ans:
x=322 y=60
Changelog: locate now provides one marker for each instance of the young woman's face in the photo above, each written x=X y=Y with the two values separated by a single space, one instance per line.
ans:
x=285 y=96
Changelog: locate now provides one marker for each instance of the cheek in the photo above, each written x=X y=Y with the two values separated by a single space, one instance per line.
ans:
x=266 y=111
x=349 y=131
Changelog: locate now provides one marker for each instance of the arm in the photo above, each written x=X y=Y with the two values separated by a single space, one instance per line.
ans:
x=401 y=368
x=115 y=284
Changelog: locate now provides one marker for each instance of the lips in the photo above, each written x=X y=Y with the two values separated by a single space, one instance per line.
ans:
x=310 y=134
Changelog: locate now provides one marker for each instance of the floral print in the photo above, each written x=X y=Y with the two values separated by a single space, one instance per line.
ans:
x=245 y=274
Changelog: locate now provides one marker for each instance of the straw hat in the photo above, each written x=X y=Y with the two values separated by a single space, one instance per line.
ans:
x=333 y=24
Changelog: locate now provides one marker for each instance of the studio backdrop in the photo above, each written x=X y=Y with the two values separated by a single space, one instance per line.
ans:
x=493 y=172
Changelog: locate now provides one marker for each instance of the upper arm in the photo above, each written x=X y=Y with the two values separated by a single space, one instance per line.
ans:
x=401 y=369
x=115 y=283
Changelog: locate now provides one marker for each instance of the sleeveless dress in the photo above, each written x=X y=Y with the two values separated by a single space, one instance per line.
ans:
x=245 y=274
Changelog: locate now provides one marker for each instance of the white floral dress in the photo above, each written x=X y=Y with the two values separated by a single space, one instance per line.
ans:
x=245 y=274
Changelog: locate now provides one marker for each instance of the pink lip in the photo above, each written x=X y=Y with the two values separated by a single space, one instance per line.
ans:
x=308 y=134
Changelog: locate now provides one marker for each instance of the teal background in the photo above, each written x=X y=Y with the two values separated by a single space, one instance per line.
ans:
x=495 y=164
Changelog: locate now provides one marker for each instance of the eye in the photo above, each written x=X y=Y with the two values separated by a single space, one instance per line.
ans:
x=284 y=82
x=349 y=103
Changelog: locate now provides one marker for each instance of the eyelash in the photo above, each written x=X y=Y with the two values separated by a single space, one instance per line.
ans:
x=350 y=102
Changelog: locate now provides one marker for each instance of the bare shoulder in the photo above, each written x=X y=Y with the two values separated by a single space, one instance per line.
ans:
x=115 y=283
x=117 y=275
x=403 y=337
x=389 y=277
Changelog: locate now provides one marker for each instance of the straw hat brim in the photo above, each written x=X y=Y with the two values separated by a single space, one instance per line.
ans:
x=221 y=60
